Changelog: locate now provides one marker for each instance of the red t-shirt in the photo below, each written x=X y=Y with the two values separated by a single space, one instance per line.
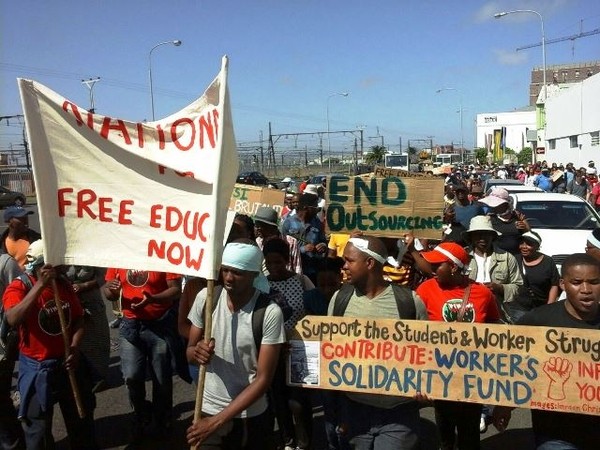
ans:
x=134 y=283
x=444 y=304
x=40 y=335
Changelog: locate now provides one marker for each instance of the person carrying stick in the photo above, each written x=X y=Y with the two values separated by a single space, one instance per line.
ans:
x=50 y=370
x=233 y=411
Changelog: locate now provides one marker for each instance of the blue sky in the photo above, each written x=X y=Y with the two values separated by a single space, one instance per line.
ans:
x=288 y=57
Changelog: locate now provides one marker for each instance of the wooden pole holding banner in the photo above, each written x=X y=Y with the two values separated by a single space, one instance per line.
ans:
x=67 y=341
x=208 y=309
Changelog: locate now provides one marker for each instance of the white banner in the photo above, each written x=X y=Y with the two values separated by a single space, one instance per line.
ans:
x=147 y=196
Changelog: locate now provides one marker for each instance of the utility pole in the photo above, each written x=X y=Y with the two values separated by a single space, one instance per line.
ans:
x=90 y=85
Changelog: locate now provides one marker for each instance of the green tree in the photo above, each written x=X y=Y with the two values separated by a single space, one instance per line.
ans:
x=481 y=155
x=524 y=157
x=375 y=156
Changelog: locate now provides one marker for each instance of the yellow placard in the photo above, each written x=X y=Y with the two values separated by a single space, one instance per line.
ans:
x=385 y=206
x=554 y=369
x=246 y=199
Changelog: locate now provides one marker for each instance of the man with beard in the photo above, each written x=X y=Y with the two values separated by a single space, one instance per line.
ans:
x=580 y=279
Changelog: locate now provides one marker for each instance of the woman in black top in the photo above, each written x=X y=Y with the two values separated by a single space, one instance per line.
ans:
x=540 y=277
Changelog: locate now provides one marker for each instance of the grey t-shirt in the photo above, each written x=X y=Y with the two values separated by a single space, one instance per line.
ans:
x=382 y=306
x=234 y=364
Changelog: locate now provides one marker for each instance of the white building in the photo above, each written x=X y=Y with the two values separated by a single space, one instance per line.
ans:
x=573 y=124
x=517 y=123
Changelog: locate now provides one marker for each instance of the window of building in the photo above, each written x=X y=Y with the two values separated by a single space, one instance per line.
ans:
x=552 y=144
x=573 y=141
x=595 y=135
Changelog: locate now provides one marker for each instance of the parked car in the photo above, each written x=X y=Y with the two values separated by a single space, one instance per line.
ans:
x=11 y=198
x=255 y=178
x=517 y=188
x=564 y=221
x=492 y=182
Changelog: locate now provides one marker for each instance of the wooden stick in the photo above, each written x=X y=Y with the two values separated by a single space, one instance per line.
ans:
x=67 y=341
x=208 y=310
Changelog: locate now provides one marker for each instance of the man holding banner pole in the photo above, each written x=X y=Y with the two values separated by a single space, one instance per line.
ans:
x=239 y=363
x=44 y=363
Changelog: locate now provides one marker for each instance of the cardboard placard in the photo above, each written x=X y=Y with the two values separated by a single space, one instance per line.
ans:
x=385 y=206
x=554 y=369
x=246 y=199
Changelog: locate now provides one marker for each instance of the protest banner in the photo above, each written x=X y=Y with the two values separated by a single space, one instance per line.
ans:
x=385 y=206
x=246 y=199
x=145 y=196
x=530 y=367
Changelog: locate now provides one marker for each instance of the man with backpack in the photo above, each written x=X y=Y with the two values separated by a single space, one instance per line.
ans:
x=11 y=434
x=241 y=357
x=373 y=421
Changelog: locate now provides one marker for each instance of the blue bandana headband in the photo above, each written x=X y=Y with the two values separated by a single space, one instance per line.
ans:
x=248 y=258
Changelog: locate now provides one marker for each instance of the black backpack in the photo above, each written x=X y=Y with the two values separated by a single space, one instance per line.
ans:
x=9 y=336
x=258 y=314
x=403 y=296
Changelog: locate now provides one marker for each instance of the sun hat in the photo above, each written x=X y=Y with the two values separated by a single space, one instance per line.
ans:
x=311 y=189
x=496 y=197
x=15 y=212
x=447 y=252
x=480 y=223
x=266 y=215
x=532 y=236
x=594 y=238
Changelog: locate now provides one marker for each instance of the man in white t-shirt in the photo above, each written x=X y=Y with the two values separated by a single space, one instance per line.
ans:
x=234 y=407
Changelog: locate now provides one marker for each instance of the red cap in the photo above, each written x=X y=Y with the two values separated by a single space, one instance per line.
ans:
x=447 y=252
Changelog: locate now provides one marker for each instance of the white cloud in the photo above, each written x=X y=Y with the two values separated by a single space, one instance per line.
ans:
x=510 y=57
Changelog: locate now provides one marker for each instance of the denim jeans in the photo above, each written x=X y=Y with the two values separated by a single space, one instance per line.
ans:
x=37 y=426
x=150 y=350
x=372 y=428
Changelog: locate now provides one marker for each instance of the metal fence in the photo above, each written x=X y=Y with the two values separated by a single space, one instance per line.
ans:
x=19 y=180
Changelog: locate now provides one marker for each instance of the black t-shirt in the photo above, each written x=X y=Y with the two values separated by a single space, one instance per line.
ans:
x=537 y=281
x=581 y=430
x=511 y=236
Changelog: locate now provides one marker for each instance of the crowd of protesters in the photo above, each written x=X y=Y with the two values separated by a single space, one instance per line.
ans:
x=276 y=268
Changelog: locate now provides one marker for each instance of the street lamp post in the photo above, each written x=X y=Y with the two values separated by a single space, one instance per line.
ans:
x=544 y=87
x=176 y=43
x=462 y=143
x=505 y=13
x=343 y=94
